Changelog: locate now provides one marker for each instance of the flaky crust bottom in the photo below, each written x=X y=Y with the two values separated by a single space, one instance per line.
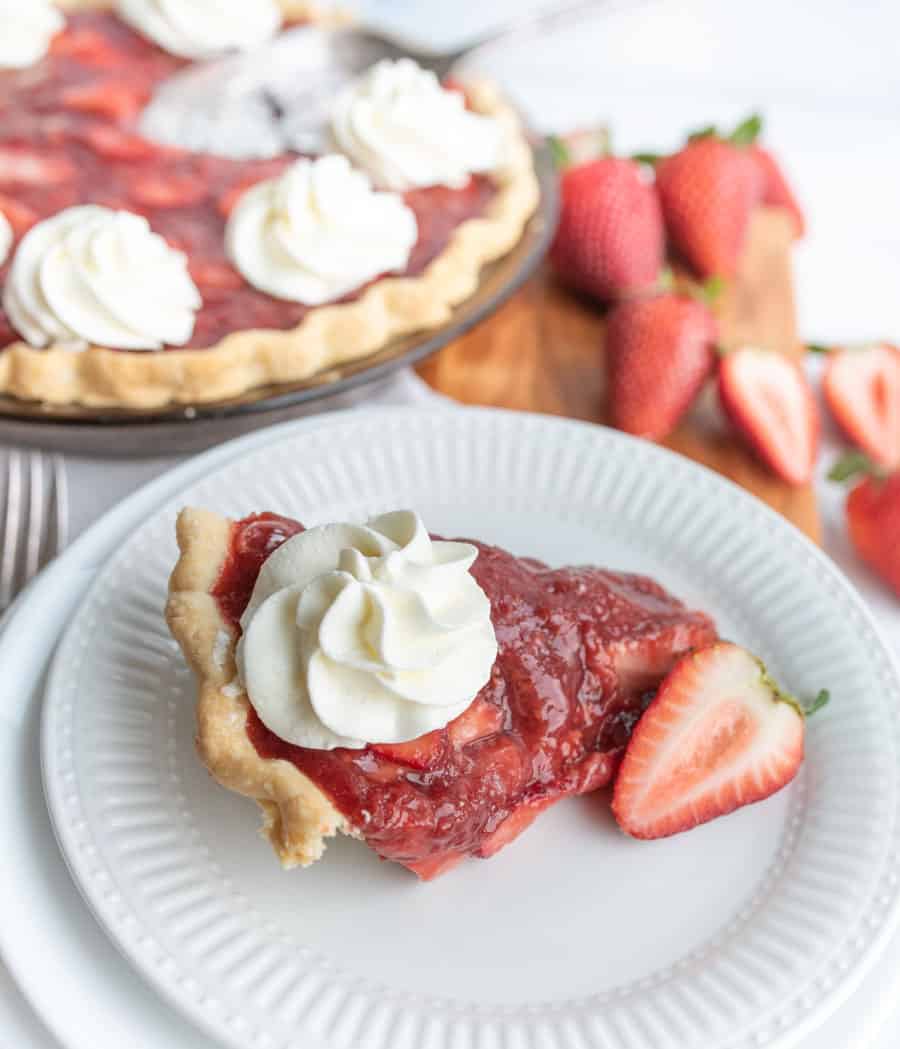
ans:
x=328 y=336
x=297 y=816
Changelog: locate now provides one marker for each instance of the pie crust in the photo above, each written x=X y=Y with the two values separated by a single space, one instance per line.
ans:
x=328 y=336
x=297 y=816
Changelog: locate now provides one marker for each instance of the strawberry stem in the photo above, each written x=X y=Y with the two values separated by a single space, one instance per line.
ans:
x=711 y=289
x=709 y=131
x=817 y=347
x=822 y=700
x=852 y=464
x=647 y=158
x=747 y=132
x=805 y=710
x=559 y=151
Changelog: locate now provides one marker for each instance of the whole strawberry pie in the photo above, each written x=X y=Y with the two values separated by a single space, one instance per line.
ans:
x=135 y=273
x=428 y=697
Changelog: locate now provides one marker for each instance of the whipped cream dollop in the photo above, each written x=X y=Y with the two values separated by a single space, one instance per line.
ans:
x=26 y=29
x=6 y=238
x=318 y=231
x=90 y=275
x=360 y=634
x=400 y=125
x=203 y=28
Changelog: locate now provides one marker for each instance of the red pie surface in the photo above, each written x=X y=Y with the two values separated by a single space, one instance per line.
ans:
x=581 y=651
x=68 y=136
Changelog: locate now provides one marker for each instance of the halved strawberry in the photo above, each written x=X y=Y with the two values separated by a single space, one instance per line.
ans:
x=421 y=753
x=107 y=98
x=862 y=389
x=768 y=398
x=718 y=735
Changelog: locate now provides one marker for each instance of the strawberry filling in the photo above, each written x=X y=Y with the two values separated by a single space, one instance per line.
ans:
x=68 y=135
x=581 y=651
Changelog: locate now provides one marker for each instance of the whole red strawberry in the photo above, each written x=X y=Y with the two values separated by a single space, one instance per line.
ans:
x=873 y=515
x=610 y=238
x=774 y=188
x=708 y=191
x=659 y=353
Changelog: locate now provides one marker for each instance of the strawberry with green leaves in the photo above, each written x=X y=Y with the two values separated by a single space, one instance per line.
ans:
x=610 y=240
x=708 y=191
x=873 y=514
x=719 y=734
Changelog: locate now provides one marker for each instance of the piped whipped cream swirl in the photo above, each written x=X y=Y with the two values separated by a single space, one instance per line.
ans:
x=361 y=634
x=6 y=238
x=90 y=275
x=318 y=231
x=203 y=28
x=26 y=29
x=400 y=125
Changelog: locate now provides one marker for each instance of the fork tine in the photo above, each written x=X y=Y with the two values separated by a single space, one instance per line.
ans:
x=34 y=535
x=11 y=527
x=60 y=496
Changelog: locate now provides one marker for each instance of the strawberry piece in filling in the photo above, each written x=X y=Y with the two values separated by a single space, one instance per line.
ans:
x=580 y=652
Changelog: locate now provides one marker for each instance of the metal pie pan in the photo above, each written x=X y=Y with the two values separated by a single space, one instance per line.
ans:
x=189 y=428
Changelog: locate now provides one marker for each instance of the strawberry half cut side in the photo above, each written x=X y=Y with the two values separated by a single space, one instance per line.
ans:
x=862 y=389
x=771 y=403
x=719 y=734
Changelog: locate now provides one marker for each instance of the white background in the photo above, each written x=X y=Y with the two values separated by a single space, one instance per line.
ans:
x=825 y=73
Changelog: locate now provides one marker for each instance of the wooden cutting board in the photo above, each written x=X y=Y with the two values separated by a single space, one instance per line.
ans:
x=542 y=352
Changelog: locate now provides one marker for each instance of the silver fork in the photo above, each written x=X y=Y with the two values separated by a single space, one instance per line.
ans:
x=35 y=518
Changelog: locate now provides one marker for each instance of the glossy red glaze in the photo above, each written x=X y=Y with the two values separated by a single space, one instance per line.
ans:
x=68 y=136
x=580 y=651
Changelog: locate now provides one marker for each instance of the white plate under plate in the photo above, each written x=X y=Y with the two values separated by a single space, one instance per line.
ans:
x=743 y=933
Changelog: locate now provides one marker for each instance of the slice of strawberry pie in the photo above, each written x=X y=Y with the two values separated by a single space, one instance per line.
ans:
x=426 y=696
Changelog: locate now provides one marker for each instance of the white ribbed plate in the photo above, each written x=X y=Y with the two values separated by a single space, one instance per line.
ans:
x=741 y=934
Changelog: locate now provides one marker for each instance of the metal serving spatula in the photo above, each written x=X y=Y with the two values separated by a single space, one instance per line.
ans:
x=276 y=98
